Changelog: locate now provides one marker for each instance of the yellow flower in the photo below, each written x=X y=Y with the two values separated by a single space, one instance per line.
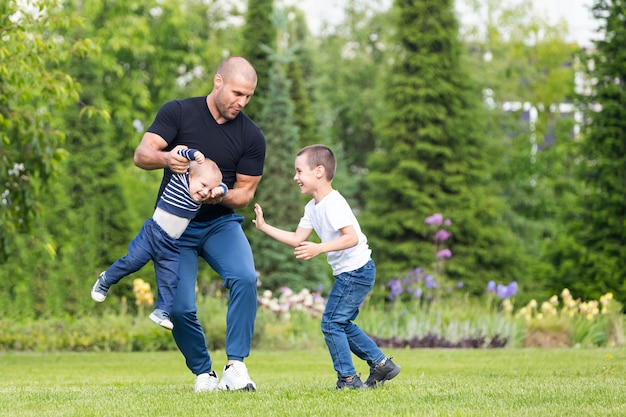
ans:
x=606 y=298
x=548 y=309
x=143 y=295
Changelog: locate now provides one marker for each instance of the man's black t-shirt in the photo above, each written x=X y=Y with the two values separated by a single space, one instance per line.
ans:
x=237 y=146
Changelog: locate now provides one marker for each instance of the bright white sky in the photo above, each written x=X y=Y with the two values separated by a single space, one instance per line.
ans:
x=576 y=12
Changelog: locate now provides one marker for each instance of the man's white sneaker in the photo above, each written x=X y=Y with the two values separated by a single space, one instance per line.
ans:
x=235 y=377
x=206 y=382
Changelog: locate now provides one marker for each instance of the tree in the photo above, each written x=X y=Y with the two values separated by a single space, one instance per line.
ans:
x=100 y=199
x=258 y=31
x=347 y=91
x=278 y=193
x=300 y=91
x=526 y=68
x=33 y=88
x=434 y=157
x=595 y=261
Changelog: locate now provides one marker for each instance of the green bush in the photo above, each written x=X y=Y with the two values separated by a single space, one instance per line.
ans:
x=296 y=325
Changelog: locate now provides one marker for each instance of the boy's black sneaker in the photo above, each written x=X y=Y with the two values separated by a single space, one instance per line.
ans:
x=350 y=382
x=381 y=373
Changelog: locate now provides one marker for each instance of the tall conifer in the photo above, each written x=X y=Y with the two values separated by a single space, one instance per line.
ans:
x=595 y=261
x=434 y=157
x=258 y=31
x=278 y=194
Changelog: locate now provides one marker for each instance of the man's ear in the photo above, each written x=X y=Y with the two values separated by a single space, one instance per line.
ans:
x=218 y=80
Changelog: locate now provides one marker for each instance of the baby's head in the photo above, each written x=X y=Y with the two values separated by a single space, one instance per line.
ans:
x=203 y=178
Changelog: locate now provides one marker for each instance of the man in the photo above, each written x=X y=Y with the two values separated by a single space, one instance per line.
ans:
x=216 y=126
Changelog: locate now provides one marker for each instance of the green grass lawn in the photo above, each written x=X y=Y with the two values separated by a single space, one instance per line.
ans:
x=437 y=382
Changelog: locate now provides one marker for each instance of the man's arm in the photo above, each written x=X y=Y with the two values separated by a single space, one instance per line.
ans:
x=150 y=155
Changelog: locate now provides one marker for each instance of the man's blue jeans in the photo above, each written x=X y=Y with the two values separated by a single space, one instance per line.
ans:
x=341 y=334
x=222 y=243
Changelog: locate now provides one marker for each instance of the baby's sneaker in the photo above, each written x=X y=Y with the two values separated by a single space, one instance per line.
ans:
x=100 y=289
x=162 y=318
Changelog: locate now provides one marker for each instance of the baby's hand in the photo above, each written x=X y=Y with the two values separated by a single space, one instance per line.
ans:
x=217 y=192
x=198 y=157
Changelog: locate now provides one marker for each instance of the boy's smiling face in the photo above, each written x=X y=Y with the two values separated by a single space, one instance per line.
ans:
x=202 y=180
x=306 y=177
x=200 y=187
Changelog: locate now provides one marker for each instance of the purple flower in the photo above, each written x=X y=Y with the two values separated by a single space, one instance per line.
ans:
x=447 y=222
x=441 y=236
x=417 y=293
x=414 y=275
x=459 y=284
x=434 y=220
x=444 y=253
x=512 y=288
x=430 y=282
x=395 y=288
x=502 y=291
x=491 y=286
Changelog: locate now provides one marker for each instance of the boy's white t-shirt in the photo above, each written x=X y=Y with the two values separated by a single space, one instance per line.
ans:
x=326 y=218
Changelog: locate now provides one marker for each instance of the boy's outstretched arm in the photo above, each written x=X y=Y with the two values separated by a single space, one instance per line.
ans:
x=292 y=239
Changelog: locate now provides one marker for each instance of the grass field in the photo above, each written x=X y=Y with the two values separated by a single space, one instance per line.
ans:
x=437 y=382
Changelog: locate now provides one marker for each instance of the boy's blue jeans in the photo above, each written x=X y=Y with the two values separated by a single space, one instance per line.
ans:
x=222 y=243
x=341 y=334
x=154 y=243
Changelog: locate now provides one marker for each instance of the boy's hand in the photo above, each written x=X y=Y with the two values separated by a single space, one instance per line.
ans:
x=216 y=192
x=215 y=196
x=307 y=250
x=259 y=221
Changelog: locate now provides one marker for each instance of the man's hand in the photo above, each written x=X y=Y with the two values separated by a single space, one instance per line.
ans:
x=177 y=163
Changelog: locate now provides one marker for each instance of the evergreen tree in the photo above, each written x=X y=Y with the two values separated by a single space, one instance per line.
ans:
x=537 y=165
x=595 y=261
x=258 y=32
x=352 y=60
x=434 y=157
x=278 y=194
x=299 y=39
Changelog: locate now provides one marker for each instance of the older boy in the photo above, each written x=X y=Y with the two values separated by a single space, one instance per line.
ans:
x=347 y=251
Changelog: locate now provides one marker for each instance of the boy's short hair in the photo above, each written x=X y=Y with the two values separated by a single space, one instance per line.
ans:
x=320 y=155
